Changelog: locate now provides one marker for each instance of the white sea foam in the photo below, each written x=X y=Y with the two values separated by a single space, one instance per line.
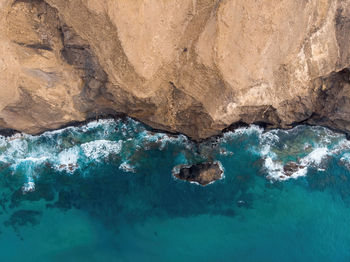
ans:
x=3 y=141
x=342 y=146
x=221 y=168
x=16 y=149
x=67 y=159
x=269 y=137
x=21 y=150
x=104 y=124
x=35 y=160
x=68 y=156
x=274 y=168
x=126 y=167
x=98 y=123
x=345 y=157
x=315 y=157
x=163 y=138
x=325 y=144
x=252 y=129
x=274 y=165
x=24 y=152
x=345 y=160
x=28 y=187
x=101 y=148
x=59 y=131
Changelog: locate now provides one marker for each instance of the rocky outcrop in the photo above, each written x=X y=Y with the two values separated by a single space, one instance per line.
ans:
x=292 y=167
x=189 y=66
x=202 y=173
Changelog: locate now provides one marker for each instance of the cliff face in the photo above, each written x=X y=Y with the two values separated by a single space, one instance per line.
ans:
x=191 y=66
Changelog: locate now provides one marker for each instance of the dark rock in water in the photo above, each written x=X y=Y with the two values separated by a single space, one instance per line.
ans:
x=23 y=218
x=291 y=167
x=203 y=173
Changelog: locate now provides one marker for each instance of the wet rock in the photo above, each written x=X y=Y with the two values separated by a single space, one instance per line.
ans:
x=291 y=167
x=203 y=173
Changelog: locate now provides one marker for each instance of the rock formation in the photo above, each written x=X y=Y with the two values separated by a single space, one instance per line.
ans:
x=202 y=173
x=190 y=66
x=292 y=167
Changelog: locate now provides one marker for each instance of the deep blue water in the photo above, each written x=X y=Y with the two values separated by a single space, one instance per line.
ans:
x=105 y=192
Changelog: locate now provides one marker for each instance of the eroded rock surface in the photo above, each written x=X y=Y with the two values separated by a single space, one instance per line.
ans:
x=190 y=66
x=291 y=167
x=202 y=173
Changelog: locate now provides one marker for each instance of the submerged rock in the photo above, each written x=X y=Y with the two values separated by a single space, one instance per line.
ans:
x=203 y=173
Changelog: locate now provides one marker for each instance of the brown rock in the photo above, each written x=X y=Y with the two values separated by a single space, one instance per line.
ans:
x=189 y=66
x=203 y=173
x=291 y=167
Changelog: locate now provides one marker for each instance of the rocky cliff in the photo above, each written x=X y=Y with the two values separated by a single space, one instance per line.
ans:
x=190 y=66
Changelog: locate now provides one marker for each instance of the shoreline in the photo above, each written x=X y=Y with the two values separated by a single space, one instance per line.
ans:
x=8 y=132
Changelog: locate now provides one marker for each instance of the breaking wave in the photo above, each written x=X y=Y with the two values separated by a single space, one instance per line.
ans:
x=283 y=154
x=302 y=147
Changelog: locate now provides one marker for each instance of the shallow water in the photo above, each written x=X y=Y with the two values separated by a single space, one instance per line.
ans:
x=104 y=192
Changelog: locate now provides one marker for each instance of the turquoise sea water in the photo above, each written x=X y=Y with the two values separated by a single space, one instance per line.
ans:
x=105 y=192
